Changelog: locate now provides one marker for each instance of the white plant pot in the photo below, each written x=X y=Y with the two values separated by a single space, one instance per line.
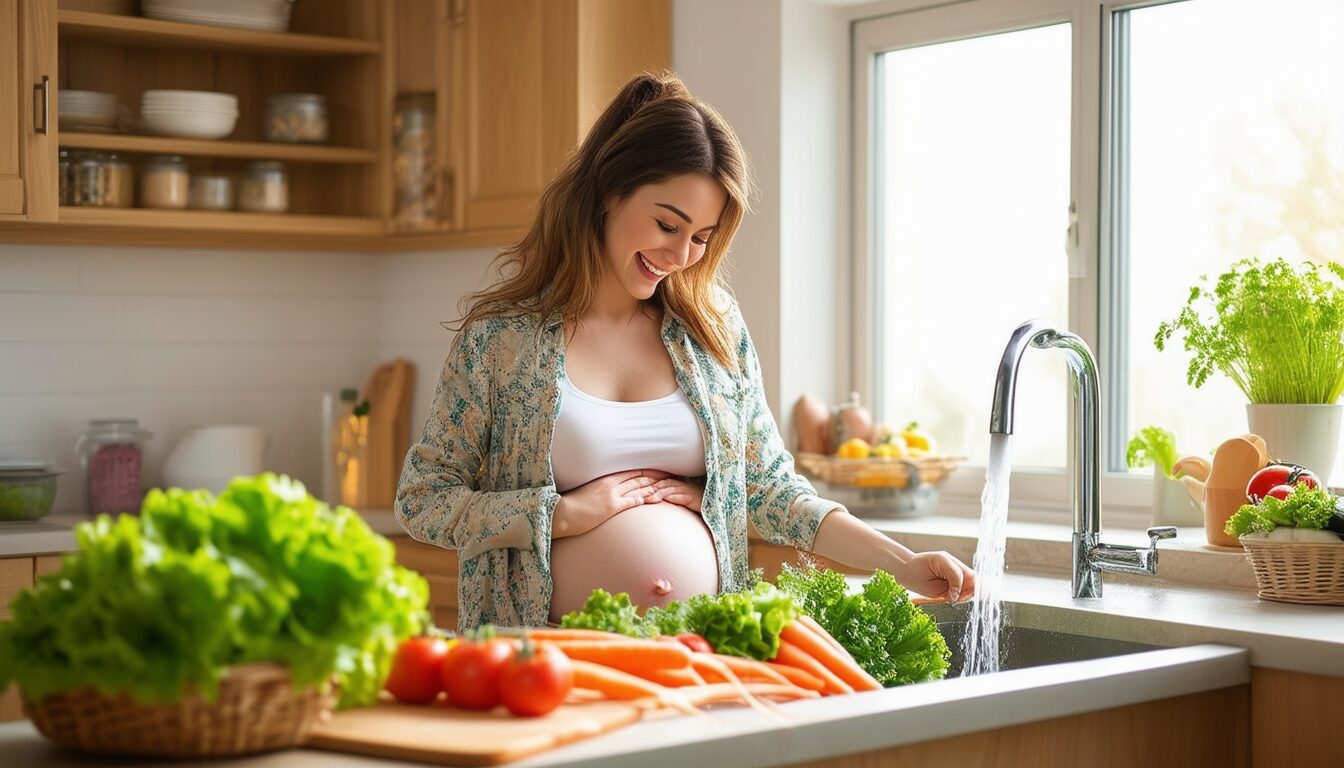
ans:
x=1172 y=504
x=1299 y=433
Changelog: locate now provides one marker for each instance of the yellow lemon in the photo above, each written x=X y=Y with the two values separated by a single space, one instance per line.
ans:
x=921 y=443
x=889 y=450
x=854 y=448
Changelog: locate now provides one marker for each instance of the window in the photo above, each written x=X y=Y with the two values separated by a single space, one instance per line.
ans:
x=1181 y=135
x=1230 y=145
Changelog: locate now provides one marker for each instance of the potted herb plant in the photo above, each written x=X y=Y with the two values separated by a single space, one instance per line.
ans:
x=1172 y=504
x=1277 y=331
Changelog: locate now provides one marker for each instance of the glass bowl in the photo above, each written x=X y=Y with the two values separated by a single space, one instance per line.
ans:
x=27 y=495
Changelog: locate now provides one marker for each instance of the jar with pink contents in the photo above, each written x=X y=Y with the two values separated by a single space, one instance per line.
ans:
x=110 y=452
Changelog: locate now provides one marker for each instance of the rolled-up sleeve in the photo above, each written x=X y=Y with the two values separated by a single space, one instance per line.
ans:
x=438 y=498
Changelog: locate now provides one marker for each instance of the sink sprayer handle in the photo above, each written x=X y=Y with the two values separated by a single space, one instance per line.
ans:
x=1161 y=532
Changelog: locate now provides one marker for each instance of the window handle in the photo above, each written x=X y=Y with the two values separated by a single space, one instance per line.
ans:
x=1077 y=267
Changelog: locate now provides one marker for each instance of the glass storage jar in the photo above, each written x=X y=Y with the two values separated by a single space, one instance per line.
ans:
x=110 y=453
x=416 y=204
x=297 y=117
x=100 y=179
x=63 y=176
x=264 y=188
x=164 y=182
x=211 y=192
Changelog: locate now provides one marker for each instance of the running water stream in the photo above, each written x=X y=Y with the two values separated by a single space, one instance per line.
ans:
x=980 y=645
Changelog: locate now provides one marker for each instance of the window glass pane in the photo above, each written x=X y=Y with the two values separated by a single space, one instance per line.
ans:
x=1236 y=134
x=973 y=192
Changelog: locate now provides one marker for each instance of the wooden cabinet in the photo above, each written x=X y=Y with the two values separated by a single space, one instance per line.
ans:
x=16 y=574
x=28 y=183
x=515 y=83
x=439 y=567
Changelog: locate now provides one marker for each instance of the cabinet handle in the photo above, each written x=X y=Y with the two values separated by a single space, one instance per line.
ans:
x=42 y=103
x=447 y=193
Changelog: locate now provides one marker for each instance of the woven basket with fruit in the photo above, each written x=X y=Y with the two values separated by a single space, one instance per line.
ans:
x=845 y=447
x=1293 y=533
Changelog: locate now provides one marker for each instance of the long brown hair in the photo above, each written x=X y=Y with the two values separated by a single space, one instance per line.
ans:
x=652 y=131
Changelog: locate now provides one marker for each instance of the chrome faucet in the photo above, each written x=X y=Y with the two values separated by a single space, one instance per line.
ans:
x=1090 y=556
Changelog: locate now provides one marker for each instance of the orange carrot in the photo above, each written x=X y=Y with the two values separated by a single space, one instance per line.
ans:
x=615 y=684
x=795 y=657
x=707 y=661
x=674 y=678
x=798 y=677
x=843 y=667
x=561 y=633
x=751 y=669
x=709 y=694
x=634 y=656
x=812 y=624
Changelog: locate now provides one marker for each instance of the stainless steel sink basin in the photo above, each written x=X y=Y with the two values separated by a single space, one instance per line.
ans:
x=1026 y=646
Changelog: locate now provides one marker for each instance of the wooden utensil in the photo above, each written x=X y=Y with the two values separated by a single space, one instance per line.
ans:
x=444 y=735
x=389 y=394
x=1225 y=491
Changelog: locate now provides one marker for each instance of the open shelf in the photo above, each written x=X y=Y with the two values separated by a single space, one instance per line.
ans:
x=232 y=221
x=248 y=150
x=172 y=34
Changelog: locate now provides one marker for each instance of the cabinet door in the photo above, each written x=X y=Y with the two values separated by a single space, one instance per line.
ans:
x=28 y=188
x=439 y=567
x=16 y=575
x=505 y=110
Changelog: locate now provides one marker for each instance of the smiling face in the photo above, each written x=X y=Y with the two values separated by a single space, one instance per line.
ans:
x=660 y=229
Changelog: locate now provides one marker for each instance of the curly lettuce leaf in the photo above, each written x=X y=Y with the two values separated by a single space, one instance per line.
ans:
x=170 y=600
x=744 y=623
x=893 y=639
x=609 y=613
x=1305 y=507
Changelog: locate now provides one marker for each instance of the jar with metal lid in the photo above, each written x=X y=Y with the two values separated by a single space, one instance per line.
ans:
x=164 y=182
x=264 y=188
x=110 y=452
x=211 y=192
x=416 y=204
x=99 y=179
x=297 y=117
x=63 y=176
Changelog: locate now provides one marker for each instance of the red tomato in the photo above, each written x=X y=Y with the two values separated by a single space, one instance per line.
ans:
x=695 y=642
x=1280 y=492
x=1279 y=474
x=417 y=670
x=471 y=673
x=536 y=679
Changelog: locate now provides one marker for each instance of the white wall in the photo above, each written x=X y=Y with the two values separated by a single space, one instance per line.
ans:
x=177 y=337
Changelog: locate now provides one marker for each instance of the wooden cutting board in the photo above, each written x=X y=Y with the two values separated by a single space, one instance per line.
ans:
x=445 y=735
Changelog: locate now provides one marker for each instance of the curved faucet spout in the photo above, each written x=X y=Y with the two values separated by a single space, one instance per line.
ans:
x=1005 y=383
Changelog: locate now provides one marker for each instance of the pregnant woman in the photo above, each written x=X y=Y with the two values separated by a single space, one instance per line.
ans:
x=601 y=419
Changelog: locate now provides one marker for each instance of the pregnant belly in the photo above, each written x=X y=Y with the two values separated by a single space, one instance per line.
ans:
x=657 y=553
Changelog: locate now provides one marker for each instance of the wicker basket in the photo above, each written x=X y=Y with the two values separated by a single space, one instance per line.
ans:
x=878 y=473
x=1297 y=571
x=257 y=710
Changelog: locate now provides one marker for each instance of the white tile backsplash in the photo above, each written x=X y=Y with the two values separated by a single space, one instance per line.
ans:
x=178 y=338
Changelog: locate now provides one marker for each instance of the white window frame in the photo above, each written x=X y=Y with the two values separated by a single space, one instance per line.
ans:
x=1093 y=313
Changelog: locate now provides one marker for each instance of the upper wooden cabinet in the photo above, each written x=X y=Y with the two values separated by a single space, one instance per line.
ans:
x=514 y=85
x=28 y=183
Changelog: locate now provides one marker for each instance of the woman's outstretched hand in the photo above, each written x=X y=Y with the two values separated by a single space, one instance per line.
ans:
x=938 y=575
x=593 y=503
x=676 y=491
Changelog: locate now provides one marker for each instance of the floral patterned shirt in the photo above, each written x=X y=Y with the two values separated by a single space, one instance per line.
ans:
x=479 y=480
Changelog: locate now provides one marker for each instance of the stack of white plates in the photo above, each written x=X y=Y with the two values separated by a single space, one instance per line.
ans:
x=189 y=114
x=86 y=110
x=265 y=15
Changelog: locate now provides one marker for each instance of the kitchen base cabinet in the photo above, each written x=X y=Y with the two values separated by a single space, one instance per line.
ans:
x=16 y=574
x=1295 y=717
x=771 y=558
x=1209 y=728
x=439 y=567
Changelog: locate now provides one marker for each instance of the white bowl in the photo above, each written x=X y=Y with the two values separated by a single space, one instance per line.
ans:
x=189 y=125
x=266 y=15
x=174 y=98
x=86 y=109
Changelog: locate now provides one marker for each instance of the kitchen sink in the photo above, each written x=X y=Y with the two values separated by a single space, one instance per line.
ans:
x=1023 y=646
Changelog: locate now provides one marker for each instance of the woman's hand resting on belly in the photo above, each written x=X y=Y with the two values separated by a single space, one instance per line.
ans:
x=584 y=508
x=679 y=492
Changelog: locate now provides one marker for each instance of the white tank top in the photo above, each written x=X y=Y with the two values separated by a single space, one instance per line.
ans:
x=595 y=437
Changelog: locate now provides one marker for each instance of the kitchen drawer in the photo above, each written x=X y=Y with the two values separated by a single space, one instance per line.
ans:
x=16 y=575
